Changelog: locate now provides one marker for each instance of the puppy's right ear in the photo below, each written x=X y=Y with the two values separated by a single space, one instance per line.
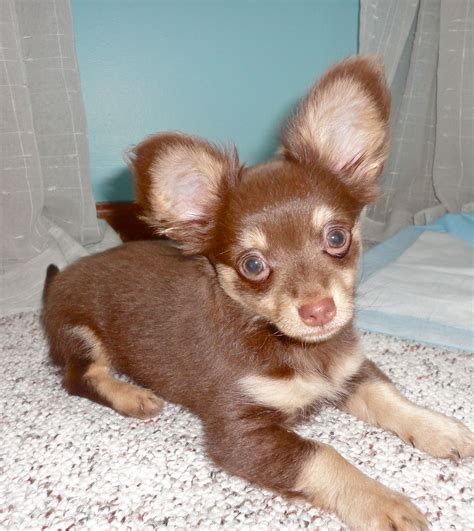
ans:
x=343 y=124
x=180 y=181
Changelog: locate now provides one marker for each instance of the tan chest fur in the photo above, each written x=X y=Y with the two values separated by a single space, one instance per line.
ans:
x=300 y=391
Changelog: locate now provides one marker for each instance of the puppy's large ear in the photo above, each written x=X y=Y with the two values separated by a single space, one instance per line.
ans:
x=180 y=181
x=343 y=124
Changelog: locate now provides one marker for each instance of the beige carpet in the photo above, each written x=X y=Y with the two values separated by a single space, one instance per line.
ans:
x=69 y=464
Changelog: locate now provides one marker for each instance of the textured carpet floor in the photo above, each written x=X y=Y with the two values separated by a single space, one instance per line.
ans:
x=68 y=463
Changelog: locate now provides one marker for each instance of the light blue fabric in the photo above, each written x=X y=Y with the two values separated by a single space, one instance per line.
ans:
x=460 y=226
x=386 y=252
x=423 y=330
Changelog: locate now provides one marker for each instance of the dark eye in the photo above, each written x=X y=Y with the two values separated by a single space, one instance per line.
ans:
x=254 y=267
x=337 y=241
x=336 y=238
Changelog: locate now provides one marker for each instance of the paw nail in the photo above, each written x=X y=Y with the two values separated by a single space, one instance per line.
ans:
x=456 y=453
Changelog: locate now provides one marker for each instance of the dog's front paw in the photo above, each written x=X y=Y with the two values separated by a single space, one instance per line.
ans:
x=397 y=513
x=440 y=436
x=388 y=510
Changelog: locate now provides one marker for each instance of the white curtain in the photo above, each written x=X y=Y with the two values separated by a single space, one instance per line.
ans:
x=428 y=50
x=47 y=209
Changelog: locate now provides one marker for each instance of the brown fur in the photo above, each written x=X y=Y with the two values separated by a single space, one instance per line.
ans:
x=194 y=326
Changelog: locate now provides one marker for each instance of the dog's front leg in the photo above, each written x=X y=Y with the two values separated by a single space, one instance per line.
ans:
x=276 y=458
x=376 y=401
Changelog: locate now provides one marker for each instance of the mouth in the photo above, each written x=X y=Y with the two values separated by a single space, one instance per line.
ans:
x=310 y=335
x=319 y=335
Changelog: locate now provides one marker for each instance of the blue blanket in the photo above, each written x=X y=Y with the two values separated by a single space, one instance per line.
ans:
x=419 y=284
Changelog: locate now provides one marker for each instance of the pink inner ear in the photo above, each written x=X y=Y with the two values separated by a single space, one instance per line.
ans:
x=190 y=194
x=344 y=141
x=345 y=164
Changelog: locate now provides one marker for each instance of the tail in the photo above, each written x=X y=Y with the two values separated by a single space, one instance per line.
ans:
x=51 y=272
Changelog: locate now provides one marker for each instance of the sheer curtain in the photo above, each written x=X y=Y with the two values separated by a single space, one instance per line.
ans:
x=428 y=49
x=47 y=209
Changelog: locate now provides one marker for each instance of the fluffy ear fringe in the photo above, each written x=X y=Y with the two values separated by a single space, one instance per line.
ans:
x=180 y=181
x=343 y=124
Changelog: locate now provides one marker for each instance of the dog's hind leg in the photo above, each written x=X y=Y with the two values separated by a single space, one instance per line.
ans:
x=88 y=373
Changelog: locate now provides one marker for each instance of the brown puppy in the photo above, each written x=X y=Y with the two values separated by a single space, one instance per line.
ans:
x=249 y=324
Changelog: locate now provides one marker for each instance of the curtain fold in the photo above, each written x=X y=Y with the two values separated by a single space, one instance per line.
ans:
x=428 y=50
x=47 y=208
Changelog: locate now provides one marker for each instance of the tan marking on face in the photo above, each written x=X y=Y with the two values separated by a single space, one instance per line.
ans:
x=290 y=323
x=380 y=403
x=288 y=310
x=322 y=215
x=348 y=277
x=127 y=399
x=228 y=278
x=254 y=238
x=344 y=304
x=329 y=481
x=266 y=305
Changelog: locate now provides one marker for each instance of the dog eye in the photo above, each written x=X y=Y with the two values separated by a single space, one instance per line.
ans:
x=337 y=241
x=254 y=267
x=336 y=238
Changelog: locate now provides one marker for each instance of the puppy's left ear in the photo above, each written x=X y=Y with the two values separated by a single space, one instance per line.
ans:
x=343 y=124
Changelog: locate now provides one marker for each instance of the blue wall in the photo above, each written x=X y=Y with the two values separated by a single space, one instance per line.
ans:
x=228 y=70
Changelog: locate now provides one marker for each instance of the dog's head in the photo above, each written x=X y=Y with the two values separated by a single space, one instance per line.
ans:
x=283 y=236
